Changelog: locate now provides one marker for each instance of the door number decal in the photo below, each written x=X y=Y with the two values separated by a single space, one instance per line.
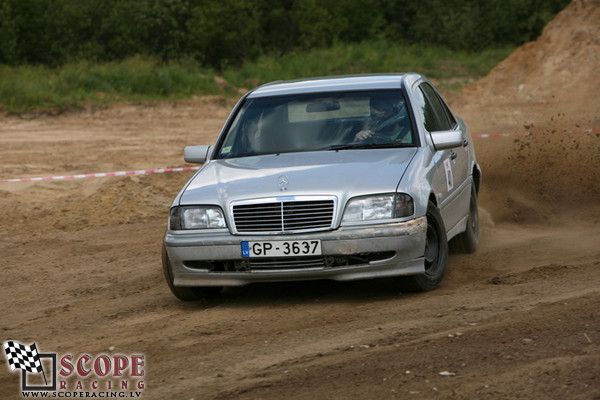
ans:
x=449 y=177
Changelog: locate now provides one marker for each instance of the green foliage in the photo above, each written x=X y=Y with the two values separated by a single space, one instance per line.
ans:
x=140 y=78
x=435 y=62
x=223 y=33
x=73 y=85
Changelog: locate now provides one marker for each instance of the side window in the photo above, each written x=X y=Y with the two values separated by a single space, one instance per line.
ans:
x=451 y=118
x=427 y=113
x=438 y=109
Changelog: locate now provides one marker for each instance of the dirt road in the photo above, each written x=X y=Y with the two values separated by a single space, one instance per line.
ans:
x=81 y=274
x=520 y=318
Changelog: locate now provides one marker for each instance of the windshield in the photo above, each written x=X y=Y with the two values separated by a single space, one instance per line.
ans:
x=321 y=121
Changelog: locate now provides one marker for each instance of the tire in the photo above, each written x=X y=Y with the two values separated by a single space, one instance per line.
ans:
x=436 y=255
x=468 y=241
x=186 y=293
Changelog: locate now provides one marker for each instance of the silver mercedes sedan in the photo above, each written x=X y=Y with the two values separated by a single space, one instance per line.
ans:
x=343 y=178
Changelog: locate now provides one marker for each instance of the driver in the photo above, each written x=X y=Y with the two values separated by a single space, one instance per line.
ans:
x=385 y=121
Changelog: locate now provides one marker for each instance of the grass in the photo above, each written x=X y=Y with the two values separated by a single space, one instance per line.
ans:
x=45 y=89
x=434 y=62
x=42 y=88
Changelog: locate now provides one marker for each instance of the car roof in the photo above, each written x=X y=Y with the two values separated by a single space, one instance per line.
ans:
x=335 y=84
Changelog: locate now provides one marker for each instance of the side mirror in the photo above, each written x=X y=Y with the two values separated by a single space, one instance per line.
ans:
x=446 y=139
x=195 y=154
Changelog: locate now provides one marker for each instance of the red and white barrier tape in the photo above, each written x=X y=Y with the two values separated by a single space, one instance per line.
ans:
x=103 y=174
x=164 y=170
x=490 y=135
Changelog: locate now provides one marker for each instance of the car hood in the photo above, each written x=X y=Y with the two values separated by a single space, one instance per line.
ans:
x=344 y=174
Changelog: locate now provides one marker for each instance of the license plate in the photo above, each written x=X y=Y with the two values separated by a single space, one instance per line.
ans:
x=281 y=248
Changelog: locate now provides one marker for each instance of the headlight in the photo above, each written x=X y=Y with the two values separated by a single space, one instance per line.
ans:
x=196 y=217
x=382 y=206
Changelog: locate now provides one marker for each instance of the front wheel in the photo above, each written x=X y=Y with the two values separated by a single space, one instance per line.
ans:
x=436 y=255
x=186 y=293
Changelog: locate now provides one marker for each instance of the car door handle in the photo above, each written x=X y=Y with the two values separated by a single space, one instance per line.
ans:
x=453 y=156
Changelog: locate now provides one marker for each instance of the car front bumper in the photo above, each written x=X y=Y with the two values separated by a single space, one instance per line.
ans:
x=401 y=244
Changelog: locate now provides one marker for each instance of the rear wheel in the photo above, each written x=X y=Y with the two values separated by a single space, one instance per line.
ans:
x=436 y=255
x=468 y=241
x=186 y=293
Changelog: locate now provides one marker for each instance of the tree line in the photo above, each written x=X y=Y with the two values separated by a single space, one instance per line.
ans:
x=224 y=33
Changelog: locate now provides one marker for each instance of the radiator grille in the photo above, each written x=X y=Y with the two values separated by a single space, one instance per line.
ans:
x=283 y=216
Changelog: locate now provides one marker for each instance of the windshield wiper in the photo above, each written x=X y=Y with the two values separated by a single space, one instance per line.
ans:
x=353 y=146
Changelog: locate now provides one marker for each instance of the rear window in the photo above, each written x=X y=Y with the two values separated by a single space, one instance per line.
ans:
x=323 y=109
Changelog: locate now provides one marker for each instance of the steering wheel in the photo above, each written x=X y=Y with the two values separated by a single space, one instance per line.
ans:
x=377 y=138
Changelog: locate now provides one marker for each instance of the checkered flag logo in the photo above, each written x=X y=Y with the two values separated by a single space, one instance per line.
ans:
x=23 y=357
